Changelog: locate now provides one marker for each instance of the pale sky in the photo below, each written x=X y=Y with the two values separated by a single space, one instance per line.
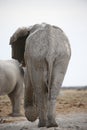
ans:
x=70 y=15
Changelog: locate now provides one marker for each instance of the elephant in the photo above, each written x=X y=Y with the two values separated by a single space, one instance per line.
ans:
x=11 y=83
x=45 y=51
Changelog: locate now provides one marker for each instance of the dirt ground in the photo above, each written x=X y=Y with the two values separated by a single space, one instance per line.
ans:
x=72 y=101
x=69 y=102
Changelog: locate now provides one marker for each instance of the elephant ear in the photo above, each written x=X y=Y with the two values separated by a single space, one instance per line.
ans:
x=17 y=42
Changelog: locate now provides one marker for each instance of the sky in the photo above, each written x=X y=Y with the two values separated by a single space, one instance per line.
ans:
x=69 y=15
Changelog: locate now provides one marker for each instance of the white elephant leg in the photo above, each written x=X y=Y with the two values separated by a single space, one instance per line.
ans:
x=58 y=74
x=15 y=98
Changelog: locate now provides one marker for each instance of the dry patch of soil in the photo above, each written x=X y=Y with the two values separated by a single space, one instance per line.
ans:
x=72 y=101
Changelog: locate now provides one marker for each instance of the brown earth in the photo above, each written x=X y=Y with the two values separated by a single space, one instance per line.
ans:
x=72 y=101
x=69 y=101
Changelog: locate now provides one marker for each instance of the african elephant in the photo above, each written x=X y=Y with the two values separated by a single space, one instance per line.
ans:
x=11 y=83
x=45 y=51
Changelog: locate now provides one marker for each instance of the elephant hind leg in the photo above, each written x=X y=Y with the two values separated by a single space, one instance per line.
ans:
x=58 y=74
x=15 y=97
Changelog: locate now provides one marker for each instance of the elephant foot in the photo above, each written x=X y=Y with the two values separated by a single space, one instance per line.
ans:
x=31 y=113
x=15 y=114
x=51 y=123
x=42 y=123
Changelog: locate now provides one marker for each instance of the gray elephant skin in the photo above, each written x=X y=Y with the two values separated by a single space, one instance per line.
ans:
x=11 y=83
x=45 y=51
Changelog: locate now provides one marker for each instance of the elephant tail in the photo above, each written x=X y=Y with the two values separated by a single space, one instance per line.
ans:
x=49 y=75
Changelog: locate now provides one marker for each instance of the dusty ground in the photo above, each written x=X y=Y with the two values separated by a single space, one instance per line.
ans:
x=72 y=101
x=71 y=104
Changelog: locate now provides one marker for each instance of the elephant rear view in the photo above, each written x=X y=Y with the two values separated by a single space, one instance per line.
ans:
x=46 y=56
x=11 y=83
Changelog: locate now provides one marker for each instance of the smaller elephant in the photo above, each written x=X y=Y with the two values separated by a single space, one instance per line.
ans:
x=11 y=83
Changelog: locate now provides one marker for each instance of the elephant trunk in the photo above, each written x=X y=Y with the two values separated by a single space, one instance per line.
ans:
x=30 y=107
x=31 y=113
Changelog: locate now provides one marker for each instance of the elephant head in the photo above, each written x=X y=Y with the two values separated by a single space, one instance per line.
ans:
x=18 y=41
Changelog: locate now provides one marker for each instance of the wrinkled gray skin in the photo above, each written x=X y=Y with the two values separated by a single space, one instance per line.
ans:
x=11 y=83
x=47 y=54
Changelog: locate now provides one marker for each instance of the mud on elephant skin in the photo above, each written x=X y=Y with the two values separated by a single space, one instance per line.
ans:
x=45 y=51
x=11 y=83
